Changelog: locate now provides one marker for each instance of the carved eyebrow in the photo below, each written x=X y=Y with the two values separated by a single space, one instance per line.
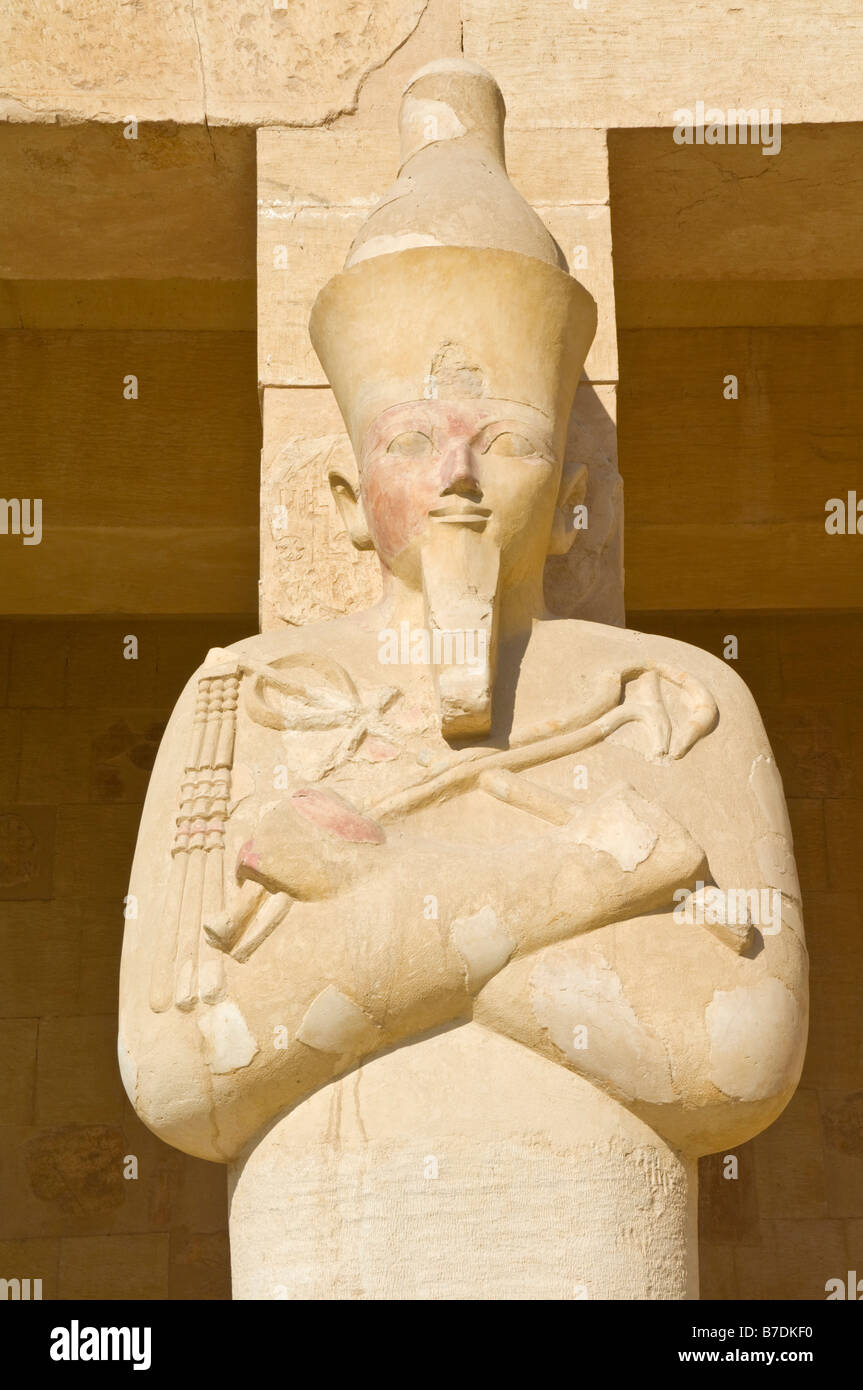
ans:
x=409 y=423
x=506 y=426
x=484 y=429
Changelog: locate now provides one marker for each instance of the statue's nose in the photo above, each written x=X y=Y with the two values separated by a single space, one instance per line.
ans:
x=457 y=473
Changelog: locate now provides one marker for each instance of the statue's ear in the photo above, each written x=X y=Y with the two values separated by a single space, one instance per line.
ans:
x=573 y=490
x=346 y=492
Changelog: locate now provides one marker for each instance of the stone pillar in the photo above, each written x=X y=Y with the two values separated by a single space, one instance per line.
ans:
x=535 y=1194
x=463 y=1167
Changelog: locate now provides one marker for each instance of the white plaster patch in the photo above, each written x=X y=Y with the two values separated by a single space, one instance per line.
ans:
x=242 y=785
x=766 y=783
x=613 y=827
x=386 y=245
x=334 y=1023
x=792 y=918
x=403 y=186
x=128 y=1070
x=425 y=121
x=228 y=1044
x=775 y=857
x=748 y=1028
x=483 y=944
x=580 y=1003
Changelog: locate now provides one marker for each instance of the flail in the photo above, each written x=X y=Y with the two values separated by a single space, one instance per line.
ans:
x=191 y=969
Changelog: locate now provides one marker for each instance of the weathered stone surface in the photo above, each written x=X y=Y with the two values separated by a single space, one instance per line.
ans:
x=231 y=64
x=26 y=851
x=617 y=64
x=833 y=1059
x=588 y=582
x=117 y=537
x=32 y=1259
x=96 y=1266
x=799 y=1189
x=73 y=756
x=76 y=1078
x=84 y=202
x=39 y=941
x=305 y=63
x=759 y=541
x=317 y=187
x=298 y=248
x=79 y=1169
x=842 y=1121
x=200 y=1265
x=18 y=1075
x=793 y=1260
x=728 y=1199
x=554 y=166
x=704 y=212
x=309 y=569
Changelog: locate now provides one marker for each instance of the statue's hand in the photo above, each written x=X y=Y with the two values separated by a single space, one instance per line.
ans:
x=615 y=858
x=313 y=846
x=619 y=857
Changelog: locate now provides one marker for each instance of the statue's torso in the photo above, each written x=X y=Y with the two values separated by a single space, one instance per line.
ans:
x=419 y=933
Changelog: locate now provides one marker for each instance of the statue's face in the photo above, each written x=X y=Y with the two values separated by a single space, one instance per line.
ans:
x=486 y=465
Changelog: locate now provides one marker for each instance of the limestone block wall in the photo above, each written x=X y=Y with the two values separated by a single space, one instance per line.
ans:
x=618 y=63
x=79 y=728
x=148 y=502
x=732 y=493
x=793 y=1217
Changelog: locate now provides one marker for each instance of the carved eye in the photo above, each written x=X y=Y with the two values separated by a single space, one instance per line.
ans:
x=511 y=446
x=412 y=444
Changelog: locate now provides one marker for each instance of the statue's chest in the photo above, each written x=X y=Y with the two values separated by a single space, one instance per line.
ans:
x=379 y=746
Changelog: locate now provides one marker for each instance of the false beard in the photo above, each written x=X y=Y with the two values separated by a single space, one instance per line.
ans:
x=461 y=573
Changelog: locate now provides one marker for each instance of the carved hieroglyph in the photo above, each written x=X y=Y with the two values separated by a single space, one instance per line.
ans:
x=461 y=930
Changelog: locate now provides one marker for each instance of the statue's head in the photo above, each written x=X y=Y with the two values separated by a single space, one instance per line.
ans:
x=454 y=364
x=474 y=463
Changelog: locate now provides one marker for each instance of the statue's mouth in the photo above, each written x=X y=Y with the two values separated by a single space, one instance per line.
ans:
x=467 y=513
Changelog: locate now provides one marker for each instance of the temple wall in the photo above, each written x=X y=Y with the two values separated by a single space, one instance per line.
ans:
x=131 y=171
x=80 y=728
x=618 y=63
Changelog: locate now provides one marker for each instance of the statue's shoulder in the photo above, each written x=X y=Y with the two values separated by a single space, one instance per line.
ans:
x=347 y=640
x=609 y=645
x=616 y=649
x=350 y=636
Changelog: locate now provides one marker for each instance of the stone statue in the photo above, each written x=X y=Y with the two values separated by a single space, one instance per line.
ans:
x=461 y=931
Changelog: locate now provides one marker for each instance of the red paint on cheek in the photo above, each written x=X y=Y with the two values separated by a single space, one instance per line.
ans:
x=398 y=497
